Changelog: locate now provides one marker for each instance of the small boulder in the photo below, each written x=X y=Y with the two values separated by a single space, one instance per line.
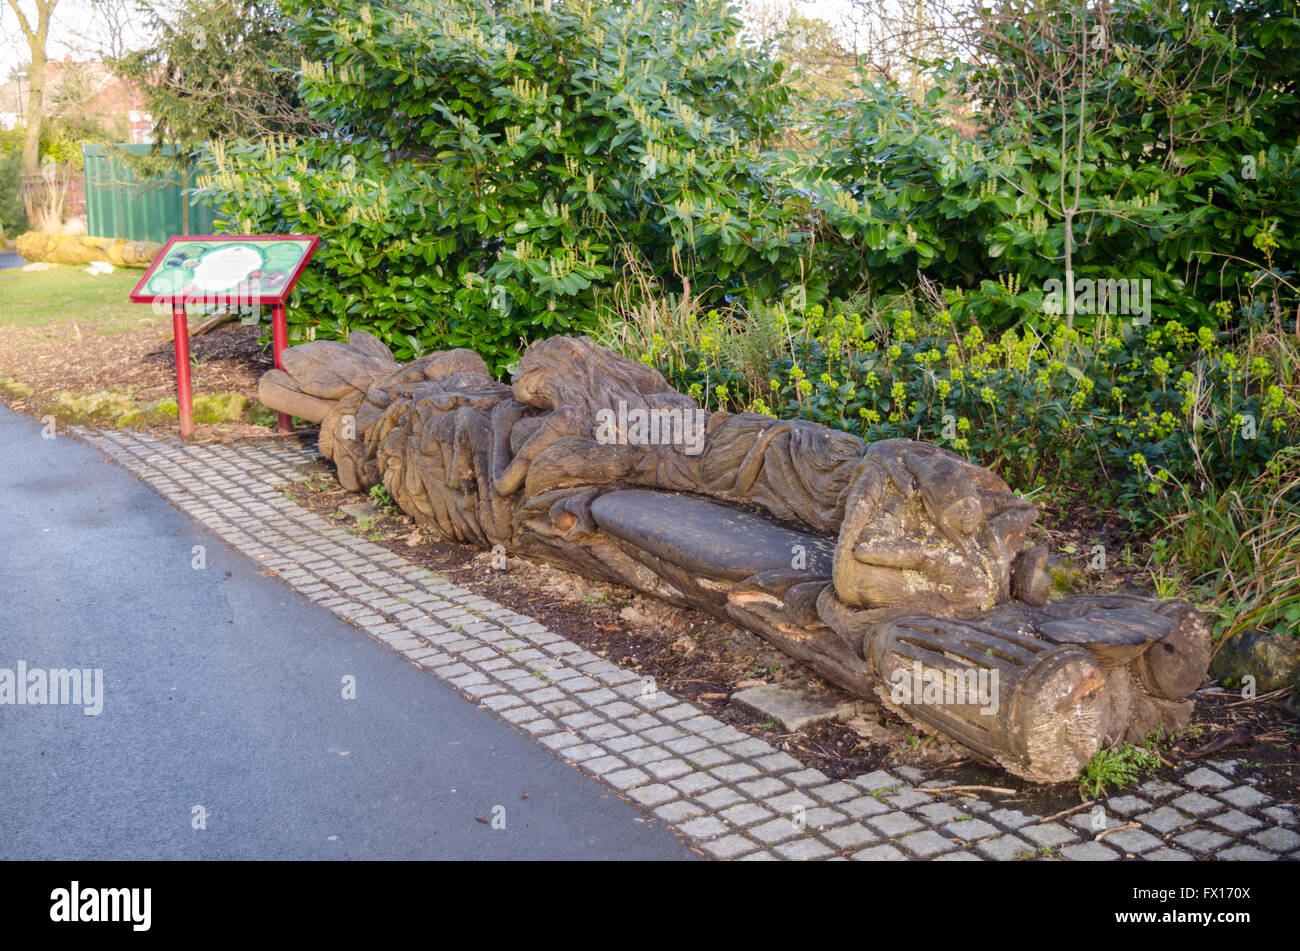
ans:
x=1067 y=578
x=220 y=407
x=156 y=414
x=81 y=408
x=1272 y=658
x=361 y=511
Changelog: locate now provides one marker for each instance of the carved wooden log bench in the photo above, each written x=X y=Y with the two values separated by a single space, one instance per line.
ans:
x=895 y=569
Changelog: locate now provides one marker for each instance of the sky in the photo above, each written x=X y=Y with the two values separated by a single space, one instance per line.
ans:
x=78 y=29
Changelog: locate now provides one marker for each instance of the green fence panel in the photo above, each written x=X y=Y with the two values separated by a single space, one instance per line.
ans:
x=121 y=204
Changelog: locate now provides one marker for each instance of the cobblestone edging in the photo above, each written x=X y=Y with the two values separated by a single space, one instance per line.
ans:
x=732 y=795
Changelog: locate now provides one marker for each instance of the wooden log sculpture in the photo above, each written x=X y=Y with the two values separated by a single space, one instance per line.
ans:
x=895 y=568
x=82 y=249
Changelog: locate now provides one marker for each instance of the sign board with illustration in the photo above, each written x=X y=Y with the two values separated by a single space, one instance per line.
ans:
x=244 y=271
x=206 y=269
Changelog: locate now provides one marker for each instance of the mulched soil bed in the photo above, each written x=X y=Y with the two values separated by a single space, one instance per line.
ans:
x=141 y=362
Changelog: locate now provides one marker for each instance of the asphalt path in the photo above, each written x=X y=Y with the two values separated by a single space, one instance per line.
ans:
x=223 y=705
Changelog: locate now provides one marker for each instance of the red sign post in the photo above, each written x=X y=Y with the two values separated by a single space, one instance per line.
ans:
x=247 y=272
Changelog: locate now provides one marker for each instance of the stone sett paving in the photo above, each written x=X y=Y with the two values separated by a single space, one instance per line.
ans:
x=731 y=795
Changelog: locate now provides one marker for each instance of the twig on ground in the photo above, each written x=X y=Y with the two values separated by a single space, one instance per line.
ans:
x=1101 y=835
x=1264 y=696
x=1068 y=812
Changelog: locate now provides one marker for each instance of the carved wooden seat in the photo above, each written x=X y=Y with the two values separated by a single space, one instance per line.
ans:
x=708 y=538
x=896 y=568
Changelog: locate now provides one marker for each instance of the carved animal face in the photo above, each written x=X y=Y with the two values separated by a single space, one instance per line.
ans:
x=926 y=530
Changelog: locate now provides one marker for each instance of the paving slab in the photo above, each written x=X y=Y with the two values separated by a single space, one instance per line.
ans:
x=792 y=709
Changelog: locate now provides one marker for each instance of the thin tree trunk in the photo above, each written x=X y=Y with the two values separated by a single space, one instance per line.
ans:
x=35 y=113
x=1069 y=269
x=185 y=197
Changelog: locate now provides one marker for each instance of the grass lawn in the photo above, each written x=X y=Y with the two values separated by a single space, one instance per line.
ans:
x=66 y=293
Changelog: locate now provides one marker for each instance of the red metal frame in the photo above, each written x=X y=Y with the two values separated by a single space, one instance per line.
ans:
x=180 y=327
x=184 y=401
x=279 y=340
